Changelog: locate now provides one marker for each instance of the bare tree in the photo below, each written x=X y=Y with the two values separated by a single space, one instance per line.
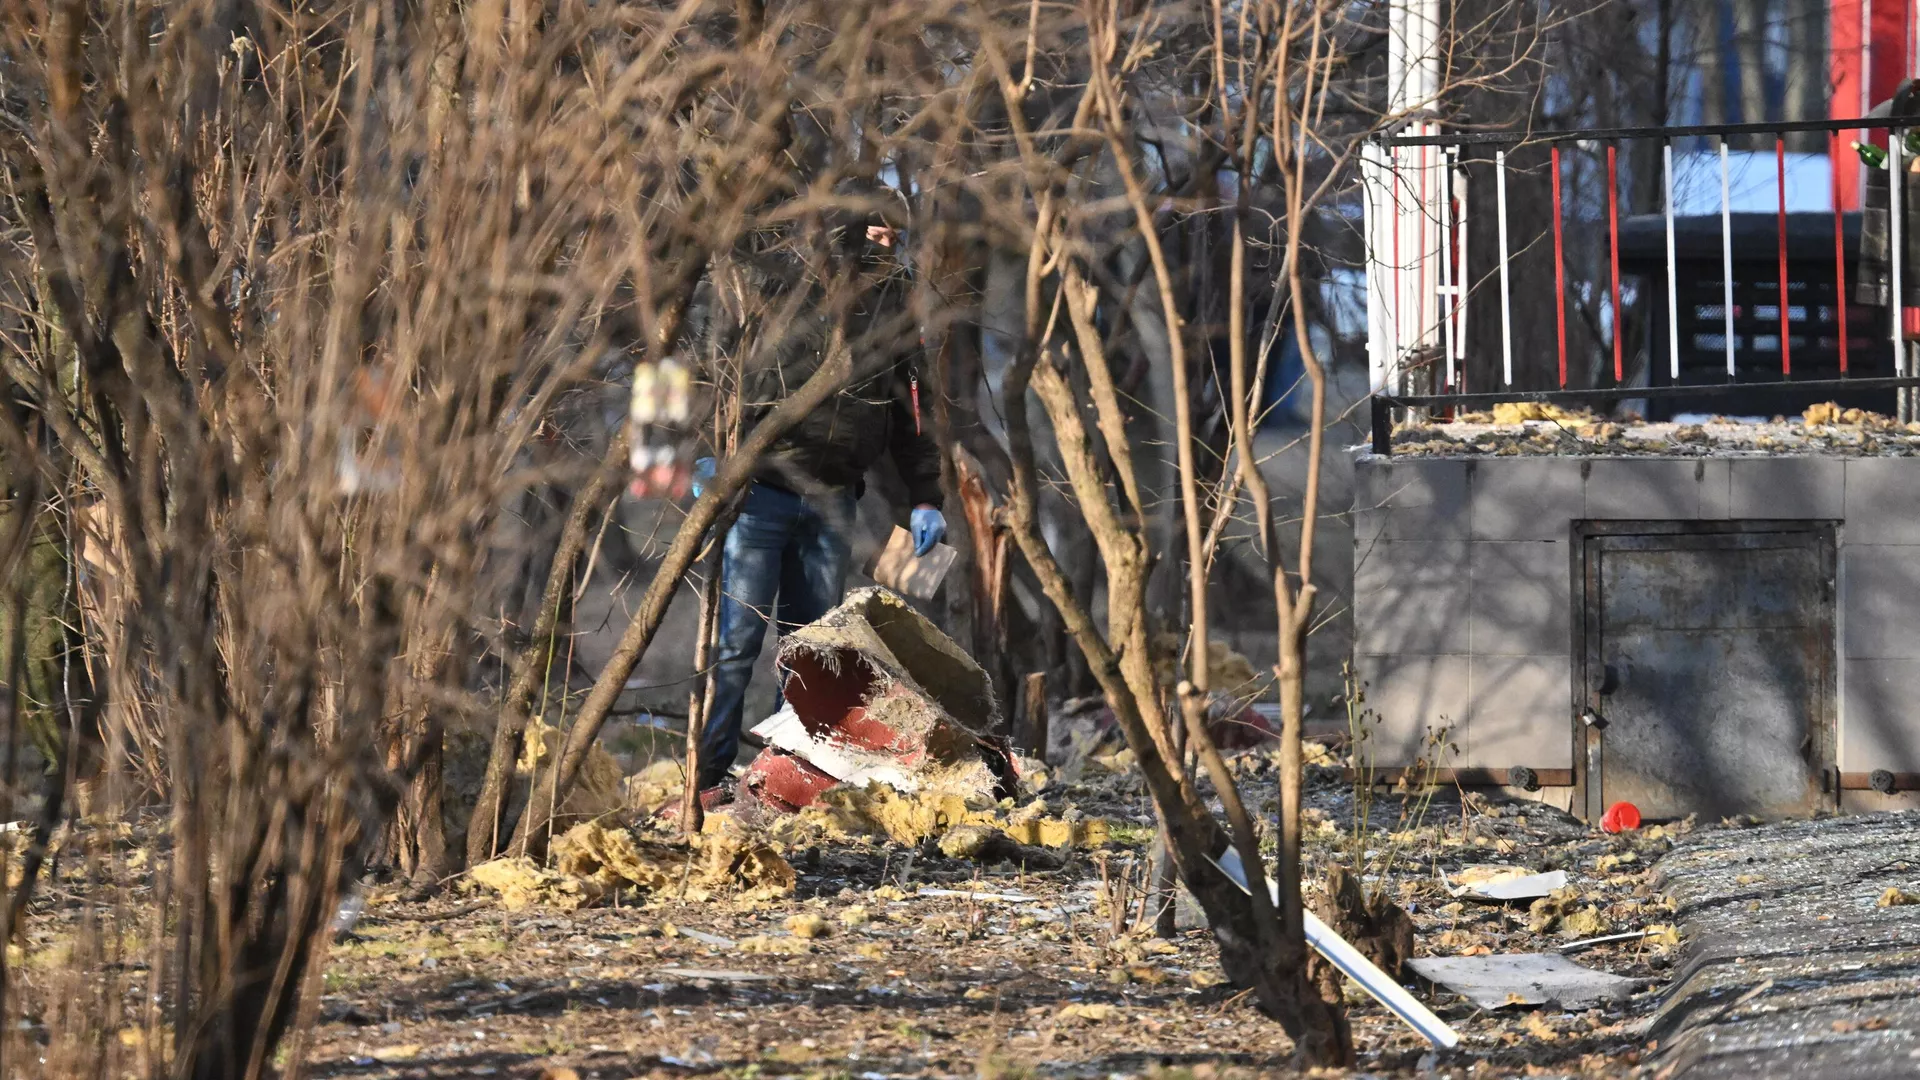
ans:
x=306 y=294
x=301 y=298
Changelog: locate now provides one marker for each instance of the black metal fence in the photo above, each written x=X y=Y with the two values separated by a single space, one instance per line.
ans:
x=1820 y=304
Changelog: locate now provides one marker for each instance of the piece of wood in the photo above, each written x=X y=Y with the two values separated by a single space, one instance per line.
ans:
x=1863 y=781
x=898 y=569
x=1469 y=777
x=1035 y=741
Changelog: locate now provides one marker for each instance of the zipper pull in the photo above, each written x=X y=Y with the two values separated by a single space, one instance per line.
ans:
x=913 y=388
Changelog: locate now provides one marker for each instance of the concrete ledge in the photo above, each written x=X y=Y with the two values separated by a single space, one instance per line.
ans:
x=1465 y=587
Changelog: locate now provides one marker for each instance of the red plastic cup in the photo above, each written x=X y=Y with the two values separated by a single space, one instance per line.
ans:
x=1620 y=817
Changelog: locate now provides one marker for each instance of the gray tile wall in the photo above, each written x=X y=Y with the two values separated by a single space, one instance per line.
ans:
x=1463 y=590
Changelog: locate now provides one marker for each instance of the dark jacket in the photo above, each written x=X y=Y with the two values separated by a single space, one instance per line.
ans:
x=839 y=441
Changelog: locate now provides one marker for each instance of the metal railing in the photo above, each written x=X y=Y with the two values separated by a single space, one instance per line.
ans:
x=1418 y=273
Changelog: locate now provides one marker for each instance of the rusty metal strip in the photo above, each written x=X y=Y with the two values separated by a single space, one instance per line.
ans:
x=1466 y=777
x=1863 y=781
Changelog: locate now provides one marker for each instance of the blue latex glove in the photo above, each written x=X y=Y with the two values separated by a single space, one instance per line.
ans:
x=929 y=528
x=703 y=470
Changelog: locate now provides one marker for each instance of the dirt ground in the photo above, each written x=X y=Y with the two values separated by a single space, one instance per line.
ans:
x=1025 y=975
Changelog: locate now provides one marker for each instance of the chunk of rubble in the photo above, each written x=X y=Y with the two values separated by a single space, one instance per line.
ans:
x=596 y=790
x=523 y=883
x=881 y=812
x=875 y=692
x=594 y=861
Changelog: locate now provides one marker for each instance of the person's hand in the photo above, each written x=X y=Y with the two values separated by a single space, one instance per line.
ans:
x=929 y=528
x=880 y=234
x=703 y=470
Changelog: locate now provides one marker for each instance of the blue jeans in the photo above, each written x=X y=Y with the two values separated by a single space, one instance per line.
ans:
x=786 y=563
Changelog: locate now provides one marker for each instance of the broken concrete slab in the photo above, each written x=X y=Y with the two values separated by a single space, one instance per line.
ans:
x=875 y=692
x=1493 y=982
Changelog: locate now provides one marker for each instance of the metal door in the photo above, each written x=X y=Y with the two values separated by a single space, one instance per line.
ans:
x=1706 y=667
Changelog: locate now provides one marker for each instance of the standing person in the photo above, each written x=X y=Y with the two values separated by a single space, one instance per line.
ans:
x=786 y=557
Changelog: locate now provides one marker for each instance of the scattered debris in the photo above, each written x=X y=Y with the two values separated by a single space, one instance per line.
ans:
x=1520 y=412
x=711 y=941
x=715 y=974
x=1608 y=939
x=766 y=945
x=592 y=862
x=1352 y=964
x=1494 y=982
x=1501 y=884
x=881 y=811
x=1228 y=672
x=1665 y=935
x=523 y=883
x=986 y=844
x=1897 y=897
x=598 y=789
x=347 y=915
x=839 y=761
x=968 y=894
x=1564 y=911
x=658 y=784
x=1829 y=413
x=1606 y=864
x=1527 y=429
x=808 y=924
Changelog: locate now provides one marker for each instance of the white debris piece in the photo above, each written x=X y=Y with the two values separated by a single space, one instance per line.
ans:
x=1492 y=982
x=847 y=764
x=1501 y=883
